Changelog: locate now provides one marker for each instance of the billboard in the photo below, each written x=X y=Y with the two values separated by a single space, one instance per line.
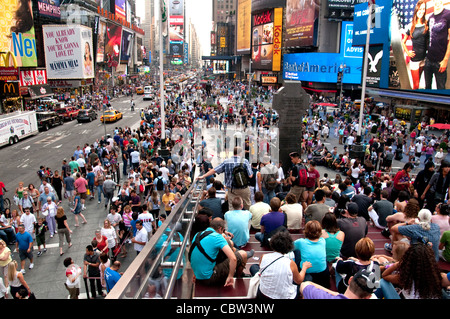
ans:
x=244 y=26
x=113 y=40
x=420 y=46
x=120 y=9
x=301 y=23
x=324 y=67
x=17 y=32
x=262 y=40
x=176 y=49
x=49 y=8
x=139 y=49
x=125 y=48
x=176 y=28
x=341 y=9
x=176 y=7
x=101 y=41
x=68 y=51
x=258 y=5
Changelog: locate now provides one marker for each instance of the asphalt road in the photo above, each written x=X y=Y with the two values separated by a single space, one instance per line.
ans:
x=21 y=161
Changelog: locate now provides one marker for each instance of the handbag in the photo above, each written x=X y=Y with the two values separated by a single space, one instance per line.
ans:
x=254 y=281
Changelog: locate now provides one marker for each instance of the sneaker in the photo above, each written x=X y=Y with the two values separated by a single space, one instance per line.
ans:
x=22 y=271
x=44 y=250
x=388 y=247
x=99 y=202
x=39 y=253
x=31 y=266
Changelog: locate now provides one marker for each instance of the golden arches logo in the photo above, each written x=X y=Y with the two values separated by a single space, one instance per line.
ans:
x=6 y=57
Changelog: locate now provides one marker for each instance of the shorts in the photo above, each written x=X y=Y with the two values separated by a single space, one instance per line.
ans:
x=40 y=239
x=310 y=189
x=83 y=195
x=70 y=193
x=222 y=270
x=298 y=191
x=416 y=65
x=23 y=254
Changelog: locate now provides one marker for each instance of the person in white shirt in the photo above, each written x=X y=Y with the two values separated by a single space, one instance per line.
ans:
x=147 y=221
x=135 y=157
x=141 y=237
x=164 y=171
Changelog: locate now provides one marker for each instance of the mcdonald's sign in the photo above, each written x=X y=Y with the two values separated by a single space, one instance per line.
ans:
x=9 y=89
x=6 y=57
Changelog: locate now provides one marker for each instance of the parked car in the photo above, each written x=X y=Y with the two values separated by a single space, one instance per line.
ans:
x=139 y=90
x=111 y=116
x=48 y=119
x=68 y=112
x=86 y=115
x=48 y=99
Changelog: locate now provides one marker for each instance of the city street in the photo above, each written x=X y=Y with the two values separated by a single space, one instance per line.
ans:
x=21 y=162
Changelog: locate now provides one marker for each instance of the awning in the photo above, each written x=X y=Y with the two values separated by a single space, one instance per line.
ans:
x=38 y=91
x=433 y=98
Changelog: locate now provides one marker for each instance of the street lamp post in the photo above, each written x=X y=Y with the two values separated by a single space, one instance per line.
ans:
x=250 y=81
x=340 y=76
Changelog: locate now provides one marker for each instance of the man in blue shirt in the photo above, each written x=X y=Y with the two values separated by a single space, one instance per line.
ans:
x=112 y=275
x=24 y=244
x=208 y=268
x=238 y=223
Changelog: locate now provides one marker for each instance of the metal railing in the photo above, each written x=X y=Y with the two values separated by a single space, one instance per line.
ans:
x=161 y=267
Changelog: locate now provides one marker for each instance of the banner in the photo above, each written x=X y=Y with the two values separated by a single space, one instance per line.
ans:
x=68 y=51
x=17 y=32
x=113 y=40
x=301 y=23
x=49 y=8
x=120 y=9
x=33 y=77
x=262 y=40
x=125 y=49
x=277 y=35
x=244 y=26
x=101 y=41
x=176 y=28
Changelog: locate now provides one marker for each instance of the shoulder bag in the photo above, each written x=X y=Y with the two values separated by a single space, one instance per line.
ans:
x=254 y=281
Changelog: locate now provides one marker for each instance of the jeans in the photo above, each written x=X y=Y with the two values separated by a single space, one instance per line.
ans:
x=430 y=69
x=2 y=208
x=386 y=291
x=100 y=192
x=8 y=235
x=268 y=195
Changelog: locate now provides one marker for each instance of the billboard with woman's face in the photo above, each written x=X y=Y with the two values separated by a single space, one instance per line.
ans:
x=17 y=32
x=113 y=40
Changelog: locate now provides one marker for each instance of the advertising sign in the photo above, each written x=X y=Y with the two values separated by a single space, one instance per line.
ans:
x=68 y=51
x=101 y=41
x=301 y=23
x=113 y=40
x=262 y=40
x=176 y=49
x=277 y=35
x=33 y=77
x=176 y=28
x=420 y=46
x=380 y=33
x=17 y=32
x=139 y=49
x=49 y=8
x=125 y=49
x=120 y=9
x=176 y=7
x=244 y=26
x=186 y=53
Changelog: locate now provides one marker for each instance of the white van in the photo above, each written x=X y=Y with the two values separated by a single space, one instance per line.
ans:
x=148 y=93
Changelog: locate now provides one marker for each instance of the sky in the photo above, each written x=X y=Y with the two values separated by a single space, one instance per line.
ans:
x=200 y=12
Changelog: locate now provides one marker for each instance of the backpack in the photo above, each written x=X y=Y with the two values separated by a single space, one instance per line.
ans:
x=160 y=184
x=303 y=176
x=271 y=183
x=240 y=177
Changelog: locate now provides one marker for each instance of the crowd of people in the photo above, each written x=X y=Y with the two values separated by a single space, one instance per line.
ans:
x=333 y=213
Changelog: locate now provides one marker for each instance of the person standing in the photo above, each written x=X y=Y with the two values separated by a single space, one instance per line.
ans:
x=73 y=274
x=91 y=267
x=63 y=229
x=234 y=188
x=2 y=192
x=81 y=188
x=24 y=245
x=438 y=49
x=141 y=237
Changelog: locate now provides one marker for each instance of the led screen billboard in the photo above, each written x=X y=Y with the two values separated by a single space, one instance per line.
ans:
x=301 y=23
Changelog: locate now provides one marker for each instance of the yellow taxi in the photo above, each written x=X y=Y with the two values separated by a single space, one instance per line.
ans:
x=111 y=116
x=139 y=90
